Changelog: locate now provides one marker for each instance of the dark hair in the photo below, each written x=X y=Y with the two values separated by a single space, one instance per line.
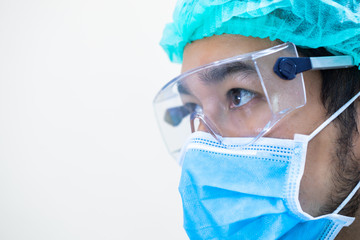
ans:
x=338 y=86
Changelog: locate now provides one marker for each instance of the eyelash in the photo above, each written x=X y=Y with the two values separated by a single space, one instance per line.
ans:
x=245 y=96
x=238 y=97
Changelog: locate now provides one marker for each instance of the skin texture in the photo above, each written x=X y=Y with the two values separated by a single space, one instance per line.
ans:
x=317 y=183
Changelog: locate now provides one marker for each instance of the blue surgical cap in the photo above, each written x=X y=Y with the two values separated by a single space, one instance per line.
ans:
x=333 y=24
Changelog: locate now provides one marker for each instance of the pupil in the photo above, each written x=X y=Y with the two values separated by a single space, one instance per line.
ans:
x=236 y=97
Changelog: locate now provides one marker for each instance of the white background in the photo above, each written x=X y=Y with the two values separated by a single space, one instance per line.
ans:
x=80 y=153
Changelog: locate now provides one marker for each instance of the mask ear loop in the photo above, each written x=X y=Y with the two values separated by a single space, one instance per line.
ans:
x=332 y=117
x=347 y=199
x=321 y=127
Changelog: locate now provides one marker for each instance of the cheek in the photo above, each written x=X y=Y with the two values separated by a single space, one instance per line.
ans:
x=301 y=121
x=316 y=183
x=306 y=119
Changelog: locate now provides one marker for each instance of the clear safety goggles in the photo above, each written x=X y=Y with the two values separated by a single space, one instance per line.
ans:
x=242 y=96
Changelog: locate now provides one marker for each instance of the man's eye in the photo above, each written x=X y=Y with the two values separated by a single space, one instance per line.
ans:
x=239 y=97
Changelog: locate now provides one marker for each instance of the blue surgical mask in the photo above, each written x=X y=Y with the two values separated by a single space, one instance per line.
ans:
x=251 y=192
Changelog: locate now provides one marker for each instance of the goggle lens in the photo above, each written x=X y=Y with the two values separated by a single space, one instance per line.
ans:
x=236 y=97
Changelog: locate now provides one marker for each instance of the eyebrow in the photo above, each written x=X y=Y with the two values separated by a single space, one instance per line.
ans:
x=218 y=74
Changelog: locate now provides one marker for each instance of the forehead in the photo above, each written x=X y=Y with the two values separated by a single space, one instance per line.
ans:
x=211 y=49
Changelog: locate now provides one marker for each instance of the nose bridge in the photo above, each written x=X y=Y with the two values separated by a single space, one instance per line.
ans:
x=214 y=115
x=216 y=118
x=210 y=117
x=214 y=109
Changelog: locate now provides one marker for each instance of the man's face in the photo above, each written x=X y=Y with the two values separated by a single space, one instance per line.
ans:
x=316 y=183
